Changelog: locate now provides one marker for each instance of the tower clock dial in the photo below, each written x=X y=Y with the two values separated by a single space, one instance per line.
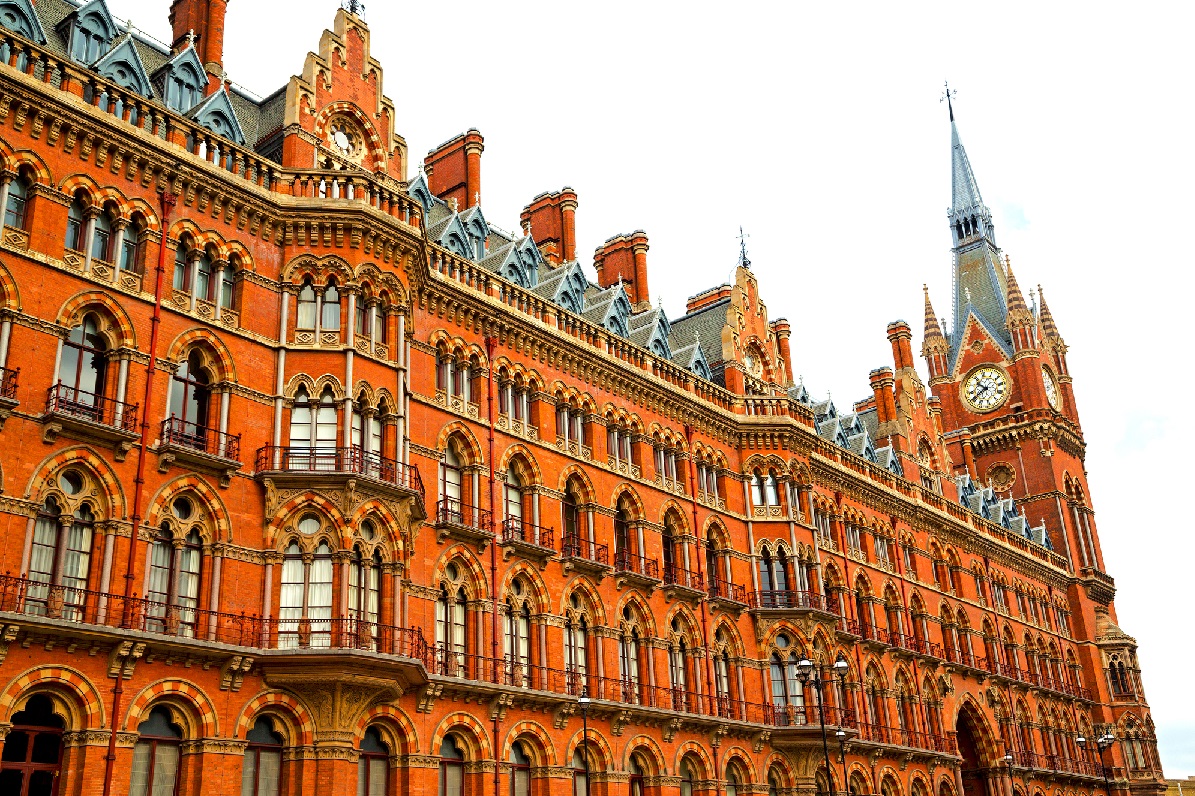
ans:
x=986 y=389
x=1051 y=388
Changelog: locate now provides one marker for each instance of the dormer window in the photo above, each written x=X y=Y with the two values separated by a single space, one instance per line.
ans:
x=89 y=32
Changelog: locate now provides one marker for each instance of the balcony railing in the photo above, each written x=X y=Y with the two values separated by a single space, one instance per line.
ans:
x=82 y=405
x=573 y=546
x=914 y=644
x=724 y=590
x=899 y=736
x=788 y=598
x=176 y=431
x=351 y=461
x=676 y=575
x=452 y=511
x=114 y=611
x=8 y=383
x=1059 y=763
x=516 y=529
x=626 y=561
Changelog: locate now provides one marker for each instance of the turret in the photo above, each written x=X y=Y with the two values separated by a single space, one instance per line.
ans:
x=1020 y=322
x=934 y=346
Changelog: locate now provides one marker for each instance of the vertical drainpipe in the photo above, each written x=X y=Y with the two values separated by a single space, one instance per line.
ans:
x=491 y=345
x=166 y=200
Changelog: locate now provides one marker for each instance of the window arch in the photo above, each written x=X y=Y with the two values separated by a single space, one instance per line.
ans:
x=517 y=635
x=452 y=767
x=364 y=593
x=373 y=765
x=576 y=643
x=629 y=664
x=724 y=684
x=76 y=223
x=190 y=399
x=452 y=640
x=578 y=539
x=262 y=767
x=313 y=430
x=156 y=755
x=83 y=371
x=17 y=201
x=60 y=560
x=307 y=306
x=520 y=770
x=172 y=589
x=688 y=776
x=32 y=758
x=788 y=693
x=330 y=314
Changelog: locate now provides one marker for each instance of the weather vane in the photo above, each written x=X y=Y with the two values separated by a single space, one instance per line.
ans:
x=354 y=7
x=743 y=248
x=947 y=96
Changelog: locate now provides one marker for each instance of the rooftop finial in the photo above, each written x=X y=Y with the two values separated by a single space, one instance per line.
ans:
x=947 y=96
x=191 y=37
x=354 y=7
x=743 y=261
x=477 y=198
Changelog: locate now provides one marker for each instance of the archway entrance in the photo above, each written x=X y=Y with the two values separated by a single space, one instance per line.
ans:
x=969 y=740
x=32 y=751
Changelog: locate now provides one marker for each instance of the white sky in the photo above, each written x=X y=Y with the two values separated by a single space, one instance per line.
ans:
x=818 y=129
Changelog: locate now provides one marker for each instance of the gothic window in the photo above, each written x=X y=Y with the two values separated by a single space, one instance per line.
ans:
x=451 y=640
x=687 y=777
x=576 y=638
x=307 y=306
x=203 y=276
x=227 y=284
x=722 y=669
x=156 y=755
x=32 y=759
x=364 y=574
x=520 y=770
x=456 y=506
x=366 y=430
x=305 y=604
x=173 y=587
x=263 y=760
x=18 y=202
x=678 y=653
x=90 y=36
x=60 y=559
x=330 y=316
x=452 y=768
x=734 y=778
x=183 y=81
x=373 y=765
x=76 y=225
x=132 y=249
x=181 y=276
x=618 y=441
x=19 y=18
x=517 y=636
x=190 y=397
x=628 y=659
x=101 y=240
x=883 y=551
x=788 y=695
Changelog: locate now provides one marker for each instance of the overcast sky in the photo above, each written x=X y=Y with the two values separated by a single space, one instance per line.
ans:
x=818 y=129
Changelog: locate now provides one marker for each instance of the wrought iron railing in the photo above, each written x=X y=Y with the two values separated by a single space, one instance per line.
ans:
x=176 y=431
x=516 y=529
x=352 y=461
x=573 y=546
x=73 y=402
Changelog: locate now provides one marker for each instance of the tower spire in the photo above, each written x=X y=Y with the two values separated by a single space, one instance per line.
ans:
x=934 y=347
x=1020 y=320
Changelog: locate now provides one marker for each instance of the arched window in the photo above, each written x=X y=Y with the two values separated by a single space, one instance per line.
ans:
x=771 y=489
x=361 y=314
x=307 y=307
x=101 y=240
x=570 y=507
x=686 y=777
x=452 y=768
x=190 y=398
x=520 y=770
x=582 y=761
x=228 y=277
x=788 y=694
x=513 y=505
x=678 y=653
x=366 y=428
x=756 y=489
x=76 y=225
x=455 y=507
x=330 y=316
x=622 y=533
x=734 y=779
x=263 y=760
x=173 y=590
x=373 y=765
x=306 y=623
x=364 y=572
x=628 y=665
x=132 y=249
x=82 y=373
x=203 y=277
x=722 y=671
x=451 y=640
x=32 y=757
x=155 y=756
x=15 y=212
x=60 y=560
x=636 y=778
x=517 y=638
x=182 y=275
x=576 y=636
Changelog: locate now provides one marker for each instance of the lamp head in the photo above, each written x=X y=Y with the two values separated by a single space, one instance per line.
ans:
x=804 y=668
x=1081 y=741
x=840 y=733
x=841 y=666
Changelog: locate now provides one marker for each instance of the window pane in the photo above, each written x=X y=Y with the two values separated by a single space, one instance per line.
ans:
x=165 y=769
x=269 y=764
x=140 y=769
x=249 y=774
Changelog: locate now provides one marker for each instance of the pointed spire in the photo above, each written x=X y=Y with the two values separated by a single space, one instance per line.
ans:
x=934 y=346
x=1018 y=311
x=1049 y=330
x=964 y=190
x=932 y=329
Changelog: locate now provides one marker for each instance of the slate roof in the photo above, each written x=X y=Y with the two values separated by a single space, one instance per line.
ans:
x=706 y=322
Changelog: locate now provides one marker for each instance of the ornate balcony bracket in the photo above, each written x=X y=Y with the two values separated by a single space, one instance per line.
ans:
x=170 y=454
x=679 y=591
x=596 y=569
x=56 y=423
x=479 y=538
x=517 y=547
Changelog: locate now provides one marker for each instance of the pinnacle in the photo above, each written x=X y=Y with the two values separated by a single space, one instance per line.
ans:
x=1049 y=329
x=1018 y=310
x=932 y=329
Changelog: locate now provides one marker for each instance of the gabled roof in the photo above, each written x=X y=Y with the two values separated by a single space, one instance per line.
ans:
x=650 y=329
x=216 y=114
x=608 y=307
x=21 y=18
x=186 y=57
x=956 y=339
x=123 y=65
x=555 y=283
x=95 y=7
x=690 y=358
x=707 y=324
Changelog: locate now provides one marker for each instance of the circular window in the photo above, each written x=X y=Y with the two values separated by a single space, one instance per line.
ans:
x=367 y=531
x=71 y=482
x=782 y=641
x=451 y=571
x=517 y=587
x=182 y=508
x=309 y=524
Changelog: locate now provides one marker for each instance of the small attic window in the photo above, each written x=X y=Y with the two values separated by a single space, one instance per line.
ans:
x=89 y=39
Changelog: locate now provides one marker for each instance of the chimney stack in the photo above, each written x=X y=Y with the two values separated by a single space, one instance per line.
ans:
x=901 y=338
x=625 y=257
x=782 y=330
x=204 y=19
x=553 y=221
x=454 y=169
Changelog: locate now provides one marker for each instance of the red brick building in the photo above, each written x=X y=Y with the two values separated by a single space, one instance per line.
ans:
x=315 y=482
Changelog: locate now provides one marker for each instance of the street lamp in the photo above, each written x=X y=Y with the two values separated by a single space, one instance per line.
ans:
x=805 y=669
x=1101 y=743
x=584 y=700
x=841 y=735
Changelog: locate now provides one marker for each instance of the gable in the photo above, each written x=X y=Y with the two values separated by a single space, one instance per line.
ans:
x=89 y=32
x=122 y=65
x=216 y=114
x=182 y=82
x=19 y=17
x=976 y=331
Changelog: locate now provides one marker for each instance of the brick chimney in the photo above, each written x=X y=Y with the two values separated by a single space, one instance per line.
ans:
x=454 y=169
x=625 y=256
x=205 y=19
x=901 y=338
x=553 y=221
x=782 y=330
x=706 y=298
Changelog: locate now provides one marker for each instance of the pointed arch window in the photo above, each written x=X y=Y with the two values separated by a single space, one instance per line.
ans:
x=32 y=758
x=364 y=572
x=190 y=396
x=101 y=239
x=330 y=315
x=366 y=427
x=227 y=285
x=452 y=768
x=203 y=276
x=687 y=778
x=181 y=275
x=60 y=560
x=15 y=210
x=581 y=769
x=263 y=760
x=305 y=612
x=373 y=765
x=76 y=225
x=520 y=770
x=576 y=647
x=83 y=370
x=517 y=639
x=513 y=492
x=156 y=755
x=173 y=587
x=307 y=305
x=132 y=249
x=451 y=639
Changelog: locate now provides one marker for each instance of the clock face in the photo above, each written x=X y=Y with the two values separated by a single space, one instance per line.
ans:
x=752 y=363
x=986 y=389
x=1051 y=388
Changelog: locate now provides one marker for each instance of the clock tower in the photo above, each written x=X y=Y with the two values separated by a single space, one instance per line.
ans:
x=1007 y=400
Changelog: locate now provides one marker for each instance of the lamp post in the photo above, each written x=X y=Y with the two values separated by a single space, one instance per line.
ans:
x=841 y=735
x=1011 y=781
x=584 y=700
x=1101 y=743
x=805 y=669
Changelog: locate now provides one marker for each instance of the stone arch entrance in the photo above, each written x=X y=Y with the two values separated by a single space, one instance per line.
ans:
x=971 y=748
